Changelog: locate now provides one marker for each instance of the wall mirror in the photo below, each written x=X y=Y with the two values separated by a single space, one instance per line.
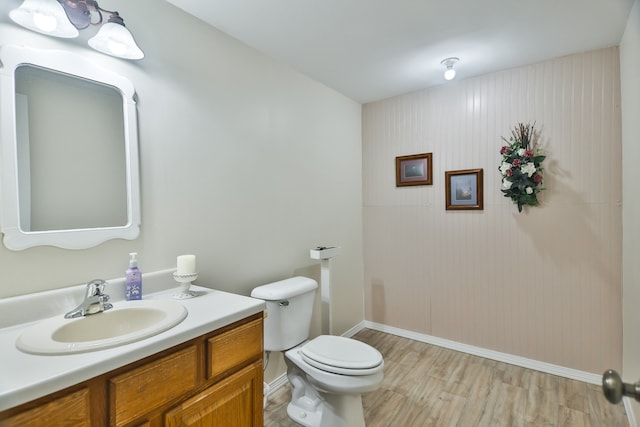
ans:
x=69 y=151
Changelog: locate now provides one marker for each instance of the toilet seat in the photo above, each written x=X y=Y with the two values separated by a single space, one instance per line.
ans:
x=341 y=355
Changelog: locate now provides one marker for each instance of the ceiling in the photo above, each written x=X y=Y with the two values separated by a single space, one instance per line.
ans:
x=373 y=49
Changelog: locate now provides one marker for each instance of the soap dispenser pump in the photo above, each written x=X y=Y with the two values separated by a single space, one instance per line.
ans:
x=133 y=279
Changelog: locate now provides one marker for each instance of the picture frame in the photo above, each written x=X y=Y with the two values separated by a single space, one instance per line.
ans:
x=464 y=189
x=415 y=169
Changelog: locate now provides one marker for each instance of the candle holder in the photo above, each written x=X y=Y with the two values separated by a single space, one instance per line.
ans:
x=185 y=282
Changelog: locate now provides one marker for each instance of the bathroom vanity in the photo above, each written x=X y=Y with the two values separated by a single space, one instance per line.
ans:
x=207 y=370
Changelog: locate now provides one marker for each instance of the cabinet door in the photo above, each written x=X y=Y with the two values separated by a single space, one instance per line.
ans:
x=234 y=348
x=141 y=390
x=69 y=410
x=235 y=401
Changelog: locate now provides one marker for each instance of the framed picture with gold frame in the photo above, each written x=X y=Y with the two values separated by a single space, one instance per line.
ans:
x=464 y=189
x=414 y=170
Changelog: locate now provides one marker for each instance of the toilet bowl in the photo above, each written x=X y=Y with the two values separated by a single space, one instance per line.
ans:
x=327 y=374
x=349 y=366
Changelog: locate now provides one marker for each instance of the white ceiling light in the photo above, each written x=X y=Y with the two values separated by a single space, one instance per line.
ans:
x=449 y=73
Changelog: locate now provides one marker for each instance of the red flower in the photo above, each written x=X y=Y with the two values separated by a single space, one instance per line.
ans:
x=516 y=163
x=528 y=153
x=509 y=172
x=504 y=149
x=537 y=178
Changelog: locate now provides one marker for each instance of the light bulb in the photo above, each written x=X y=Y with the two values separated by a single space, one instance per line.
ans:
x=449 y=74
x=116 y=47
x=45 y=22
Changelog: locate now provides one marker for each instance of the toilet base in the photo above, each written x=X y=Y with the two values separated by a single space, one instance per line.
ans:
x=306 y=406
x=312 y=408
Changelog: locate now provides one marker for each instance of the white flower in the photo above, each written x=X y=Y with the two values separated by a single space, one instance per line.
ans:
x=506 y=184
x=528 y=168
x=504 y=167
x=529 y=190
x=521 y=152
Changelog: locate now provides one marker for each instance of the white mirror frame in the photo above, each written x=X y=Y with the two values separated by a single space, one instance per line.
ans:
x=73 y=65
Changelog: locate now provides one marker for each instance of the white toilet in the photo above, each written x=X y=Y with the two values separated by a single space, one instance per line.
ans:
x=327 y=374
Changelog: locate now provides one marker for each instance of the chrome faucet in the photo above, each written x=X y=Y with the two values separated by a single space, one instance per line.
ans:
x=95 y=300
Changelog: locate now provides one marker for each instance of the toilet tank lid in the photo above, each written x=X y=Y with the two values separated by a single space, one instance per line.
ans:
x=284 y=289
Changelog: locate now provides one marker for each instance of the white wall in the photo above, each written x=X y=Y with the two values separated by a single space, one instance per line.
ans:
x=630 y=85
x=244 y=162
x=544 y=284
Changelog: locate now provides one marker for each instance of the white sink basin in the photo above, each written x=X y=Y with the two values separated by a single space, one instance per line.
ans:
x=126 y=322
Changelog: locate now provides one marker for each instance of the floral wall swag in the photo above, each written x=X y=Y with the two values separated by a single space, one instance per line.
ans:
x=521 y=167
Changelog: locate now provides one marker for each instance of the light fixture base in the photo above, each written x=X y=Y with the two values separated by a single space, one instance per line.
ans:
x=448 y=62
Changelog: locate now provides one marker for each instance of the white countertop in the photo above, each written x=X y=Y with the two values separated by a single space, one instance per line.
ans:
x=24 y=377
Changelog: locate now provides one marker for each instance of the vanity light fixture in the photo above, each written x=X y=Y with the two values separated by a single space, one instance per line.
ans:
x=63 y=18
x=449 y=73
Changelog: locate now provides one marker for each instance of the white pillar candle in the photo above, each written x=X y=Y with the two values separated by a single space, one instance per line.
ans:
x=186 y=264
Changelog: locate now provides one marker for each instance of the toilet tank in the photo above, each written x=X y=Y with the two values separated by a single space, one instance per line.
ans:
x=288 y=313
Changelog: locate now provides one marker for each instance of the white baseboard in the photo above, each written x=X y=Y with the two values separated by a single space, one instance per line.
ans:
x=280 y=381
x=351 y=332
x=524 y=362
x=631 y=416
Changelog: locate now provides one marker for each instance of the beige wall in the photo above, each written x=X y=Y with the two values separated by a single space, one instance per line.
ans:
x=244 y=162
x=630 y=85
x=544 y=284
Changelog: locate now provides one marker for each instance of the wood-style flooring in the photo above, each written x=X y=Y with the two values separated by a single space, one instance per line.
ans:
x=426 y=385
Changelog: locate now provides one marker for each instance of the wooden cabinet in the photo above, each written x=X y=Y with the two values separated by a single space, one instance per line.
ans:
x=213 y=380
